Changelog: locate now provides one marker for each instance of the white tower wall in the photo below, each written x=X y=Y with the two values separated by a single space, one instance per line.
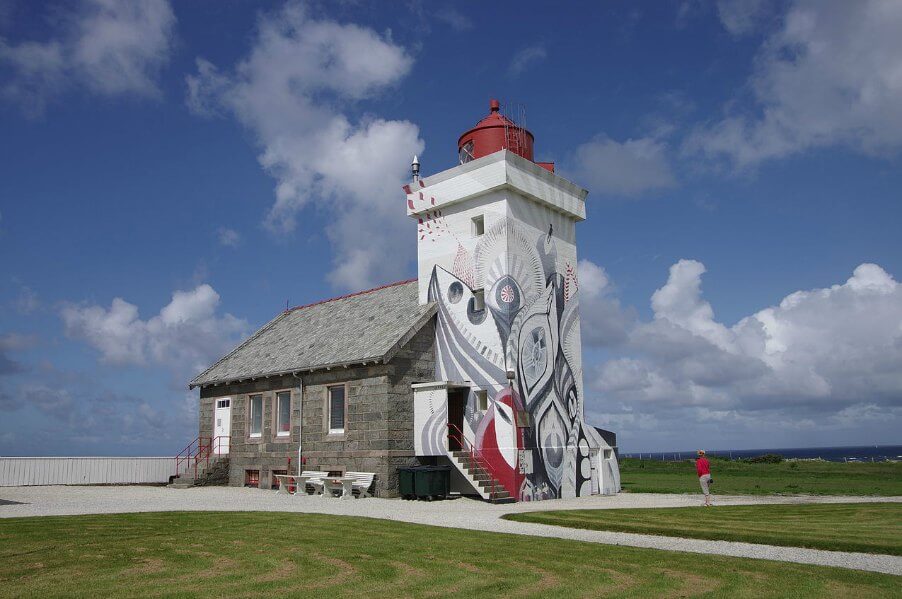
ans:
x=524 y=265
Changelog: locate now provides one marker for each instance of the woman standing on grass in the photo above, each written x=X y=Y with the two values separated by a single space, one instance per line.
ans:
x=703 y=468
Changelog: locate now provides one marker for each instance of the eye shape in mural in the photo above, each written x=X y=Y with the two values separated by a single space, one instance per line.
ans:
x=534 y=356
x=455 y=292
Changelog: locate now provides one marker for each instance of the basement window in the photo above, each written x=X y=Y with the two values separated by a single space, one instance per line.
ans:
x=283 y=413
x=478 y=300
x=255 y=416
x=337 y=406
x=482 y=400
x=478 y=225
x=252 y=478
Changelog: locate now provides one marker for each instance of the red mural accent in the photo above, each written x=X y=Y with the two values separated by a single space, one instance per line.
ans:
x=501 y=441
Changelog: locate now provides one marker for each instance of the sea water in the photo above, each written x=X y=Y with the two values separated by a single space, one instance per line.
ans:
x=862 y=453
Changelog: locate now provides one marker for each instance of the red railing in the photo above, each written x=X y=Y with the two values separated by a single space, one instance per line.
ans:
x=199 y=451
x=475 y=455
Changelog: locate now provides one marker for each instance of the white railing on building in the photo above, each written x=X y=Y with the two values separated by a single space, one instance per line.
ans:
x=26 y=471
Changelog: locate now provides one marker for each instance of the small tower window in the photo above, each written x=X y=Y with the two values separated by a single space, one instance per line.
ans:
x=478 y=225
x=479 y=300
x=482 y=400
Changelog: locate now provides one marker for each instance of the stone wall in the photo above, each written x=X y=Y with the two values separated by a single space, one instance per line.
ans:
x=378 y=433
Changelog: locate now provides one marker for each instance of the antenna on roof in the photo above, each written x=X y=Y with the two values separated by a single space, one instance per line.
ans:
x=286 y=302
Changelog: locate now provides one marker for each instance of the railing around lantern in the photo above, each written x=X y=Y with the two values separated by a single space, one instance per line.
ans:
x=475 y=456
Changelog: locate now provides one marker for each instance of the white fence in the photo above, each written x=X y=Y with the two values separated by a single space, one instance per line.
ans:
x=15 y=472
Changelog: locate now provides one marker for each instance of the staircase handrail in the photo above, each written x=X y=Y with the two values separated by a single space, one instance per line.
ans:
x=199 y=449
x=205 y=451
x=475 y=455
x=186 y=455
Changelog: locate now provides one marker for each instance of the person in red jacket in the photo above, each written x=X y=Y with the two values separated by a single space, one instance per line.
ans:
x=703 y=469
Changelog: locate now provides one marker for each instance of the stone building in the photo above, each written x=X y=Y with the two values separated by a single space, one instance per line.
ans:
x=335 y=376
x=476 y=364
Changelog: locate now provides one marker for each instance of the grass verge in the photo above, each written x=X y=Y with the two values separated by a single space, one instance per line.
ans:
x=252 y=554
x=787 y=478
x=863 y=527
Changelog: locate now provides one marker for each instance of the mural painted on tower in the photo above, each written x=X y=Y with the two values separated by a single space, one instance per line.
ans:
x=532 y=431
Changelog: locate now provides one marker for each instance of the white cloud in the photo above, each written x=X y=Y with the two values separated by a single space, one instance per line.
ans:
x=604 y=321
x=186 y=335
x=831 y=75
x=824 y=357
x=453 y=18
x=228 y=237
x=628 y=168
x=740 y=17
x=292 y=92
x=108 y=47
x=525 y=58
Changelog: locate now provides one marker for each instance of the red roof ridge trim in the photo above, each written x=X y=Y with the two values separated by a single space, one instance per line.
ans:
x=355 y=294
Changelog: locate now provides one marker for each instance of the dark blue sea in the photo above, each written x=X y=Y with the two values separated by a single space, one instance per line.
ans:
x=863 y=453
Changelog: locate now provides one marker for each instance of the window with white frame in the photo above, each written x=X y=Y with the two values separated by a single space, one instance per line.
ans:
x=482 y=400
x=283 y=413
x=478 y=225
x=255 y=416
x=336 y=400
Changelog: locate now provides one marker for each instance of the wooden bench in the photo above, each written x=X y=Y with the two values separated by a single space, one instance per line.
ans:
x=363 y=482
x=347 y=485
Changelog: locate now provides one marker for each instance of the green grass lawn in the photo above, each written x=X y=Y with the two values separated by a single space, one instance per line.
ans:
x=866 y=527
x=793 y=478
x=253 y=554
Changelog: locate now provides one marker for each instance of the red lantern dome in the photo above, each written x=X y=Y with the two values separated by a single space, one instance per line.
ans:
x=493 y=133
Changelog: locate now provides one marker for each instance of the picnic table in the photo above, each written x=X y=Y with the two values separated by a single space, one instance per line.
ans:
x=342 y=484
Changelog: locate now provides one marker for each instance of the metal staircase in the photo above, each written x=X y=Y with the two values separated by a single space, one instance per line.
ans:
x=470 y=462
x=202 y=462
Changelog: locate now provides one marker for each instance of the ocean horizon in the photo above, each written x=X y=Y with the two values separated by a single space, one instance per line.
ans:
x=852 y=453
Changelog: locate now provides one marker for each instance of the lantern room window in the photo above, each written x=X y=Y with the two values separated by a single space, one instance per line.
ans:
x=466 y=152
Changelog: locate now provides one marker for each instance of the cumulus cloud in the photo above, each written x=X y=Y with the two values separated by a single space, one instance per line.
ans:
x=628 y=168
x=187 y=334
x=828 y=76
x=294 y=92
x=525 y=58
x=107 y=47
x=823 y=356
x=228 y=237
x=604 y=321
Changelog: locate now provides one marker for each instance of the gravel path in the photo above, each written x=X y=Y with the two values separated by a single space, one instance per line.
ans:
x=458 y=513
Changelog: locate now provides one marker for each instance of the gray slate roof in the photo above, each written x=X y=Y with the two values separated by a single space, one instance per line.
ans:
x=363 y=327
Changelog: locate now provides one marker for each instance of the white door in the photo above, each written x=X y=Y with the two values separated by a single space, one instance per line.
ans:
x=593 y=461
x=222 y=425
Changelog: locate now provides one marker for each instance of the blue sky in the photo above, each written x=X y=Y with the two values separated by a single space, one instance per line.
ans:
x=172 y=174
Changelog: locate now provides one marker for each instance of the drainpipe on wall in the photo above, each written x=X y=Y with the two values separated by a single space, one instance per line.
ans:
x=300 y=417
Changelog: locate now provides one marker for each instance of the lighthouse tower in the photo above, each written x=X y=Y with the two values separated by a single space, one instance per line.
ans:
x=496 y=247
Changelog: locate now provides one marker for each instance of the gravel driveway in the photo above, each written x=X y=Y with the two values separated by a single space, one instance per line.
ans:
x=457 y=513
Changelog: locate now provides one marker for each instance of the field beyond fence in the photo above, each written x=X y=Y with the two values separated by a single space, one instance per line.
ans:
x=802 y=477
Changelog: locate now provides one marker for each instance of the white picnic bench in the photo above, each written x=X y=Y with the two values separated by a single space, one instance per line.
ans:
x=326 y=486
x=314 y=478
x=346 y=485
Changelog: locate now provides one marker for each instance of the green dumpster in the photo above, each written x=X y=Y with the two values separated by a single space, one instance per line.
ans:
x=431 y=482
x=405 y=482
x=424 y=482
